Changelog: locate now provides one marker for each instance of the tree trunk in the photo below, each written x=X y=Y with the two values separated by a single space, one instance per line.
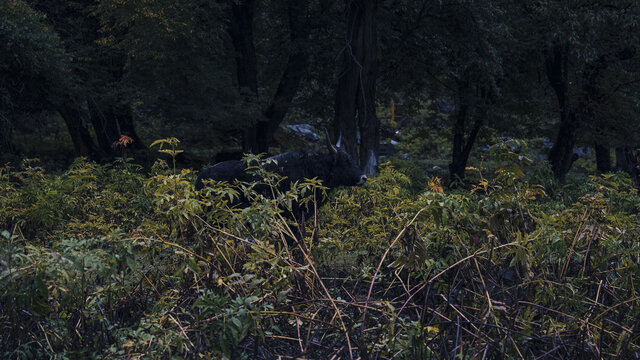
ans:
x=291 y=77
x=75 y=119
x=355 y=94
x=345 y=126
x=367 y=120
x=105 y=126
x=257 y=137
x=561 y=154
x=603 y=158
x=625 y=161
x=458 y=161
x=127 y=127
x=461 y=148
x=6 y=128
x=241 y=33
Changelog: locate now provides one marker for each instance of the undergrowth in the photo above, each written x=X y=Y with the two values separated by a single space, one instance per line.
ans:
x=105 y=261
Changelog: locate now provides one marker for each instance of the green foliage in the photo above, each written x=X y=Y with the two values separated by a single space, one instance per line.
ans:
x=175 y=62
x=230 y=321
x=87 y=200
x=32 y=67
x=527 y=262
x=104 y=261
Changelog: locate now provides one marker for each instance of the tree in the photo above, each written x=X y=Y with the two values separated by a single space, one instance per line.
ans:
x=258 y=136
x=34 y=74
x=95 y=92
x=240 y=31
x=355 y=108
x=603 y=157
x=581 y=44
x=91 y=91
x=454 y=49
x=171 y=66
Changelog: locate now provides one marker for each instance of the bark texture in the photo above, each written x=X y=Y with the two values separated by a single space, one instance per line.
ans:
x=105 y=125
x=561 y=154
x=125 y=120
x=467 y=105
x=76 y=119
x=258 y=137
x=627 y=162
x=290 y=79
x=355 y=120
x=603 y=158
x=241 y=33
x=6 y=128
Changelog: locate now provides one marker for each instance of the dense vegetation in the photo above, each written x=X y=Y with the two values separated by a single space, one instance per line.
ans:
x=104 y=261
x=466 y=242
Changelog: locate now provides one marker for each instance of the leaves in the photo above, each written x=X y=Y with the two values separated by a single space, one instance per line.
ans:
x=124 y=263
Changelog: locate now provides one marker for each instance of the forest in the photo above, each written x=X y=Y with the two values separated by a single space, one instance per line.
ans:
x=499 y=219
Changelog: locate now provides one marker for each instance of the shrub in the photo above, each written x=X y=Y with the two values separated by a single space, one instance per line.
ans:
x=104 y=261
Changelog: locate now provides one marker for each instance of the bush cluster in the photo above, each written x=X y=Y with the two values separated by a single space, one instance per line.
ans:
x=105 y=261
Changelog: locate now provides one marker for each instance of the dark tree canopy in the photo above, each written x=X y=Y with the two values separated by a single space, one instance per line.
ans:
x=225 y=76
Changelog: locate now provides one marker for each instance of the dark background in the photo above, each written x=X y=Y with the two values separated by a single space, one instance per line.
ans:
x=225 y=76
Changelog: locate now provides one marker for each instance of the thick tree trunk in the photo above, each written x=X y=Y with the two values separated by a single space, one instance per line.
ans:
x=127 y=127
x=367 y=120
x=75 y=119
x=347 y=91
x=561 y=155
x=625 y=161
x=603 y=158
x=105 y=126
x=629 y=163
x=355 y=94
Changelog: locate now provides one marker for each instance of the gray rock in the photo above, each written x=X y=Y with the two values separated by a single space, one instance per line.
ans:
x=304 y=131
